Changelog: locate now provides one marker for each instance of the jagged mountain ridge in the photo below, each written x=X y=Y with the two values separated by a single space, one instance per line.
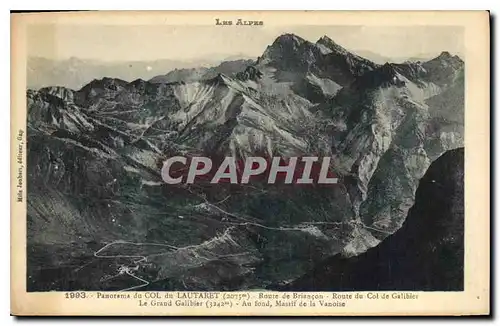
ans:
x=382 y=124
x=386 y=136
x=229 y=68
x=84 y=163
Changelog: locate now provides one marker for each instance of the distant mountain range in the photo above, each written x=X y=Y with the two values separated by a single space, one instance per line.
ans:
x=95 y=155
x=75 y=73
x=380 y=59
x=201 y=73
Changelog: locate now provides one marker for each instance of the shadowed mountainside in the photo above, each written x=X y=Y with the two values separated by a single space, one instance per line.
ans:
x=425 y=254
x=100 y=216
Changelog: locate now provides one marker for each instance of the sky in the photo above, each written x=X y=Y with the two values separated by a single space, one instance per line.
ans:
x=190 y=42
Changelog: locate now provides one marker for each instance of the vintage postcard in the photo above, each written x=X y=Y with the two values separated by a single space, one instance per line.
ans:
x=250 y=163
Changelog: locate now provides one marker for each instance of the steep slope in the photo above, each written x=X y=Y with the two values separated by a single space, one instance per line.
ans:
x=53 y=108
x=95 y=156
x=315 y=71
x=446 y=110
x=98 y=197
x=218 y=115
x=422 y=137
x=387 y=128
x=426 y=254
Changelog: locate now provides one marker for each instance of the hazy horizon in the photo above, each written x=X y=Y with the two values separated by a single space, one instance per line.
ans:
x=146 y=51
x=151 y=43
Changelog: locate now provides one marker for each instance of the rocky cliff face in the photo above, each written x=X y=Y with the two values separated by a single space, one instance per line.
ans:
x=426 y=254
x=100 y=217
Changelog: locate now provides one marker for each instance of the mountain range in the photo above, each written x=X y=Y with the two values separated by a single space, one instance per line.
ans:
x=380 y=59
x=75 y=72
x=100 y=217
x=426 y=254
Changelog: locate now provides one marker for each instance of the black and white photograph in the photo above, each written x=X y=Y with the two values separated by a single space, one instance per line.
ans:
x=236 y=154
x=100 y=216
